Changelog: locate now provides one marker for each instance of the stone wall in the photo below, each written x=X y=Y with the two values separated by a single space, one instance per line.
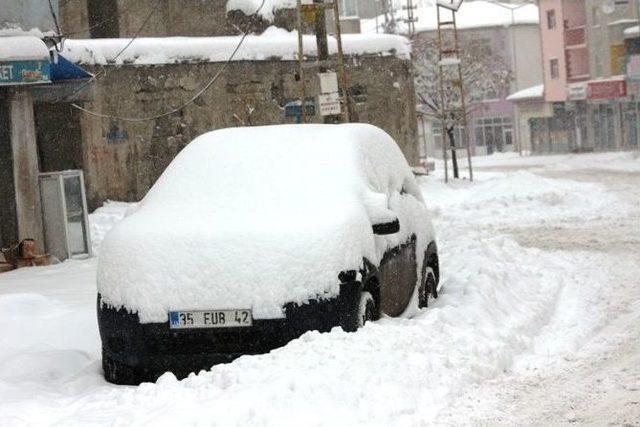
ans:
x=125 y=18
x=123 y=159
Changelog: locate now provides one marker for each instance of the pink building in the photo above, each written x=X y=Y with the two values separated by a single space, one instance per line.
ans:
x=565 y=56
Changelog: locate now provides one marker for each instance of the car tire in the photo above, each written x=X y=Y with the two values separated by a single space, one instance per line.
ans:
x=428 y=287
x=117 y=372
x=366 y=309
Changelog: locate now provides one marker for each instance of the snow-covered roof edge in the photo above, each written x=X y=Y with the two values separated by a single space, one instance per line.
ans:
x=476 y=14
x=632 y=32
x=533 y=92
x=274 y=43
x=266 y=12
x=23 y=48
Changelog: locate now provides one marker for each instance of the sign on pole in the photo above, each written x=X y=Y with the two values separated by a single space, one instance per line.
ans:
x=329 y=104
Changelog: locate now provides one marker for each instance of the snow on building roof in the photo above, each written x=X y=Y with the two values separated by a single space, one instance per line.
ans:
x=273 y=43
x=533 y=92
x=249 y=7
x=632 y=32
x=477 y=14
x=23 y=48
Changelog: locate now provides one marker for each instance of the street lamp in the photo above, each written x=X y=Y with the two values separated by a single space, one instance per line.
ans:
x=514 y=63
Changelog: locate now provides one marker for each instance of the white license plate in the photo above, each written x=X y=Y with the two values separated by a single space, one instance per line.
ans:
x=210 y=319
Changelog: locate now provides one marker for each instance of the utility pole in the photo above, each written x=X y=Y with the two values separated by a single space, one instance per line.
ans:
x=333 y=106
x=451 y=110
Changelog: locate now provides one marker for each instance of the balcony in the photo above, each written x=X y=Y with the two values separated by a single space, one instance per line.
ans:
x=575 y=38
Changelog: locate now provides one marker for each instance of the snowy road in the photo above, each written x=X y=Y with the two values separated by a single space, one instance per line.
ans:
x=539 y=323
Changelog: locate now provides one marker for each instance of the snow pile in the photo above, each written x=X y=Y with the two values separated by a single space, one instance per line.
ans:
x=243 y=219
x=23 y=48
x=533 y=92
x=17 y=31
x=508 y=313
x=476 y=14
x=621 y=161
x=274 y=43
x=104 y=218
x=249 y=7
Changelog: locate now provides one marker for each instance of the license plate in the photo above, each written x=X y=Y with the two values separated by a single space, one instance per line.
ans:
x=210 y=319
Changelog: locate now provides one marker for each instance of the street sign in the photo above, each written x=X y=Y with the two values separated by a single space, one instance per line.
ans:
x=24 y=72
x=606 y=89
x=329 y=104
x=577 y=92
x=328 y=82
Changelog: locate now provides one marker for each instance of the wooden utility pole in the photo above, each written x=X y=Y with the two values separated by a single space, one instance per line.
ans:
x=317 y=9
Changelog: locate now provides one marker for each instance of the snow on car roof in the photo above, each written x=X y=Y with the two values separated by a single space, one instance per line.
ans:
x=256 y=217
x=273 y=43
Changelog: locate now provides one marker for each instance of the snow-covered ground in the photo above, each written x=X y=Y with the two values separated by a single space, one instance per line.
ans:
x=539 y=323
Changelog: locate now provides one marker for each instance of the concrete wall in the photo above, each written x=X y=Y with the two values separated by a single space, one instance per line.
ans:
x=122 y=160
x=125 y=18
x=555 y=89
x=527 y=56
x=27 y=14
x=8 y=220
x=606 y=30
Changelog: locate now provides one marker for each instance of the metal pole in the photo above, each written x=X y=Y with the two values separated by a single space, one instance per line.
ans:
x=303 y=95
x=442 y=107
x=342 y=73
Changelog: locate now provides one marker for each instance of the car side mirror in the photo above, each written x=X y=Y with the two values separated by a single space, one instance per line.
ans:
x=386 y=228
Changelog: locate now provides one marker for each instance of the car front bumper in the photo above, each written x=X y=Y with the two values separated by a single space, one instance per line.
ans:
x=150 y=349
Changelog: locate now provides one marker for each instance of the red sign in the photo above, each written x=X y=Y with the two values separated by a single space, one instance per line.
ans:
x=607 y=89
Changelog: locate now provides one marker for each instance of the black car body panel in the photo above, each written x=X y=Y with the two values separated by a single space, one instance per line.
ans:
x=148 y=350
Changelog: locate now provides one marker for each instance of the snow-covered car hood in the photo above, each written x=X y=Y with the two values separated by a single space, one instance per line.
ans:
x=256 y=218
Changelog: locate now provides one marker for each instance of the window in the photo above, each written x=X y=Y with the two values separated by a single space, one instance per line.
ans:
x=554 y=69
x=348 y=8
x=494 y=132
x=551 y=19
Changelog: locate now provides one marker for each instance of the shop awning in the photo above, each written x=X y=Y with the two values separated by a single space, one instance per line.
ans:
x=63 y=70
x=23 y=60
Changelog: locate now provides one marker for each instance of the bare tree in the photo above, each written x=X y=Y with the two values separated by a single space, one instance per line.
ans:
x=485 y=75
x=390 y=24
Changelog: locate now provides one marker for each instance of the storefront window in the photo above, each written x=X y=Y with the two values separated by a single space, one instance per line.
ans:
x=496 y=133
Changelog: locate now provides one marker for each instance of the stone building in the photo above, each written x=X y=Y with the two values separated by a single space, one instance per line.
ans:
x=122 y=159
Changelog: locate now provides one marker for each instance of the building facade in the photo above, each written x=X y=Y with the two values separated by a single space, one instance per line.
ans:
x=494 y=125
x=584 y=60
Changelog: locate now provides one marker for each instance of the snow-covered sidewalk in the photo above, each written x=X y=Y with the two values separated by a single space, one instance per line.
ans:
x=538 y=323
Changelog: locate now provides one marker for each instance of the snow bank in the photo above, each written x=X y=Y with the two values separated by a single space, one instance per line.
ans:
x=23 y=48
x=501 y=303
x=104 y=218
x=243 y=219
x=274 y=43
x=249 y=7
x=476 y=14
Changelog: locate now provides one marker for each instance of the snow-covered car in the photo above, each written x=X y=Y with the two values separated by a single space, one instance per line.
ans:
x=253 y=236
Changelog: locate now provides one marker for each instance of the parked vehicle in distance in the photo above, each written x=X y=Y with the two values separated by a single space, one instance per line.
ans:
x=243 y=244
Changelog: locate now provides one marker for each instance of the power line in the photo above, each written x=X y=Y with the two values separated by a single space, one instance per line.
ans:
x=190 y=101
